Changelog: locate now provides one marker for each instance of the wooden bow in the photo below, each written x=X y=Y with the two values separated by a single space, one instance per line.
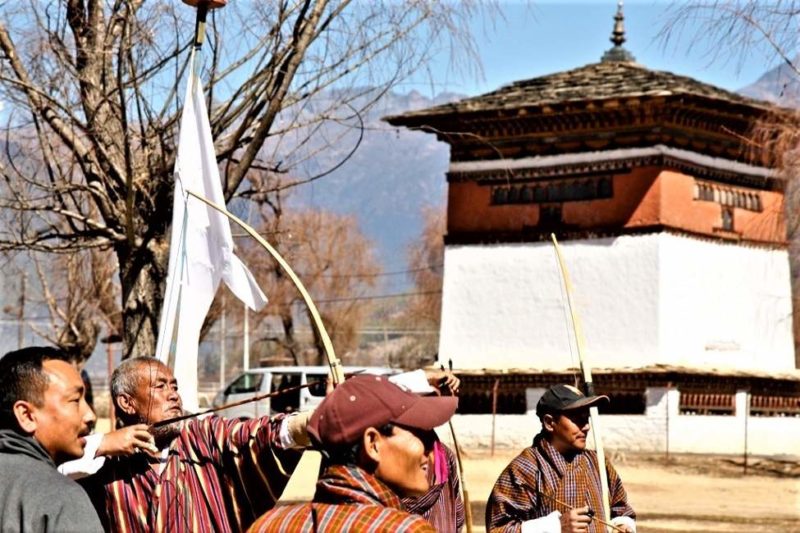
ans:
x=586 y=370
x=337 y=374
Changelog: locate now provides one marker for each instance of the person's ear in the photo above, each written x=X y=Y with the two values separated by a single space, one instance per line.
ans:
x=371 y=444
x=125 y=404
x=25 y=413
x=549 y=422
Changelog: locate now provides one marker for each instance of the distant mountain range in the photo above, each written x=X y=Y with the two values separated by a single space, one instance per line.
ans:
x=780 y=85
x=392 y=175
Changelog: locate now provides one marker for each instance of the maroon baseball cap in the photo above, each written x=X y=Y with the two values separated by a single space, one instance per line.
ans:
x=366 y=401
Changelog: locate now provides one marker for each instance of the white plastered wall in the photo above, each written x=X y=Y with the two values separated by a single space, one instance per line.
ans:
x=642 y=300
x=724 y=305
x=660 y=430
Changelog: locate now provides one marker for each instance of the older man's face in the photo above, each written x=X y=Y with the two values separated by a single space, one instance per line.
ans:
x=156 y=395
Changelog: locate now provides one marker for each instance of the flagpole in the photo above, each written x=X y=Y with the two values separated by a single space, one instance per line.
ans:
x=191 y=285
x=202 y=6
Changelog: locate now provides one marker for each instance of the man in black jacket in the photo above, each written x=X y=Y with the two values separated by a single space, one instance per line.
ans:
x=44 y=419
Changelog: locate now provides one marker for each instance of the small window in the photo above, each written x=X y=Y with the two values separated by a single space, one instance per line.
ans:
x=588 y=190
x=246 y=383
x=549 y=215
x=316 y=385
x=605 y=189
x=727 y=219
x=287 y=402
x=559 y=193
x=624 y=403
x=763 y=405
x=478 y=401
x=500 y=196
x=701 y=403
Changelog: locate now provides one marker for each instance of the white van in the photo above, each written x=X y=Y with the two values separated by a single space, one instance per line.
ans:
x=272 y=379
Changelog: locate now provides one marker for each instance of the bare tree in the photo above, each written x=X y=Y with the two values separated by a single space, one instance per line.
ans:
x=337 y=265
x=734 y=30
x=92 y=94
x=78 y=293
x=422 y=312
x=426 y=263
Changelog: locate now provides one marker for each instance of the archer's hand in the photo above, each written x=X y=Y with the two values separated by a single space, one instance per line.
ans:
x=443 y=380
x=127 y=441
x=576 y=521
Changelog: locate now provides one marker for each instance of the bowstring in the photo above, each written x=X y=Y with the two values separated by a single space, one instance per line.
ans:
x=567 y=329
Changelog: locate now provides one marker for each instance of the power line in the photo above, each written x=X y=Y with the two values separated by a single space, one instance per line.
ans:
x=381 y=274
x=377 y=297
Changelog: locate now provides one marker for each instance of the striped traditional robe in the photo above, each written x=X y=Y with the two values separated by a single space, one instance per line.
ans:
x=347 y=499
x=530 y=485
x=219 y=476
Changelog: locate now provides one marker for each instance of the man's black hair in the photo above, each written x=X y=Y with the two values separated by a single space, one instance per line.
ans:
x=22 y=378
x=348 y=454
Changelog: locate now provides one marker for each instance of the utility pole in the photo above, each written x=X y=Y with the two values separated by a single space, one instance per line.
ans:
x=246 y=340
x=21 y=311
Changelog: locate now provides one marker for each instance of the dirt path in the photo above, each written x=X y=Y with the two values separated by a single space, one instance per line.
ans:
x=707 y=494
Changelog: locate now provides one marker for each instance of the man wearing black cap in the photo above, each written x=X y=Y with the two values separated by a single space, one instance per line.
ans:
x=375 y=438
x=554 y=485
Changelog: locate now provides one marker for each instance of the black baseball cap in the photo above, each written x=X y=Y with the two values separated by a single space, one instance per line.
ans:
x=559 y=398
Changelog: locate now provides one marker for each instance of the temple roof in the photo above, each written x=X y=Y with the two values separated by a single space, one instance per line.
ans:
x=596 y=81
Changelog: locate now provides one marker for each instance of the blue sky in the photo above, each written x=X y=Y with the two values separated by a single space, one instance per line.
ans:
x=532 y=39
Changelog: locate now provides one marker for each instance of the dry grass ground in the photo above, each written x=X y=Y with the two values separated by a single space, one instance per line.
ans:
x=688 y=493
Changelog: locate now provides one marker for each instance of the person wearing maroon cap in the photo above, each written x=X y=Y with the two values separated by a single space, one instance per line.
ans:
x=554 y=485
x=375 y=438
x=442 y=505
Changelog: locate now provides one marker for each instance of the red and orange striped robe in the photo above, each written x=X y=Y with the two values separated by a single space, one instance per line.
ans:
x=220 y=475
x=347 y=499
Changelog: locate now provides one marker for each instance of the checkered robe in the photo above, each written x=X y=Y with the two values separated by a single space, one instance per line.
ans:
x=530 y=484
x=347 y=499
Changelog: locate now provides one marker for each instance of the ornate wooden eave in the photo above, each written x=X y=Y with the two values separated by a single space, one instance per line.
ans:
x=754 y=177
x=599 y=106
x=697 y=123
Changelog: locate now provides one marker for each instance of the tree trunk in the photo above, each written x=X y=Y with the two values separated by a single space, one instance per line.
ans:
x=143 y=276
x=289 y=340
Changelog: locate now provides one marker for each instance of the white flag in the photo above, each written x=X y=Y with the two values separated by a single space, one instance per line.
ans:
x=201 y=250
